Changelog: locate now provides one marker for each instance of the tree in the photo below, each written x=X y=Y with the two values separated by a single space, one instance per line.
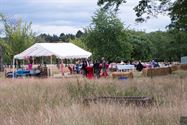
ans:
x=142 y=46
x=106 y=37
x=168 y=45
x=70 y=36
x=178 y=12
x=47 y=38
x=54 y=38
x=1 y=57
x=40 y=38
x=66 y=37
x=18 y=37
x=1 y=50
x=79 y=42
x=160 y=41
x=63 y=37
x=79 y=34
x=146 y=8
x=178 y=44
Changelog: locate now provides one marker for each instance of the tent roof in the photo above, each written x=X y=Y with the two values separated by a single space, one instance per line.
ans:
x=60 y=50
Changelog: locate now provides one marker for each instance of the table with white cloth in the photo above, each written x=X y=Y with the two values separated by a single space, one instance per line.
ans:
x=121 y=67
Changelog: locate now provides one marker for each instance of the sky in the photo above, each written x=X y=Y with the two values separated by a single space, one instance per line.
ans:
x=69 y=16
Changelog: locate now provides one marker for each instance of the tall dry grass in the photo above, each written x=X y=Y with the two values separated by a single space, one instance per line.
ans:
x=59 y=101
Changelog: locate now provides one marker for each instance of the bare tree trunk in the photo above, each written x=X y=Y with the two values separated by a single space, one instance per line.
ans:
x=1 y=59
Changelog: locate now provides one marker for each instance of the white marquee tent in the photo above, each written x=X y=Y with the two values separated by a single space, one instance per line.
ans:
x=60 y=50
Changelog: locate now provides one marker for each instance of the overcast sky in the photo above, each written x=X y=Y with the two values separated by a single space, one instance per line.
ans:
x=69 y=16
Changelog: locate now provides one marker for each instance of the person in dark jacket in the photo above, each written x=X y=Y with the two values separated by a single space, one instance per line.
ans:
x=96 y=69
x=84 y=65
x=139 y=67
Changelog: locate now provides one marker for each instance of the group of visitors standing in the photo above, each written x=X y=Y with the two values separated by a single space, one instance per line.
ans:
x=88 y=68
x=152 y=64
x=98 y=68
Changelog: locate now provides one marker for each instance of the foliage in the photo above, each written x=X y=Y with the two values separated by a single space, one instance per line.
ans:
x=160 y=41
x=54 y=38
x=79 y=42
x=142 y=46
x=143 y=10
x=179 y=43
x=79 y=34
x=47 y=38
x=178 y=16
x=106 y=37
x=146 y=8
x=18 y=37
x=66 y=37
x=168 y=45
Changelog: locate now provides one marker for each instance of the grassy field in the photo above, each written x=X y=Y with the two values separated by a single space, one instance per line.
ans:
x=59 y=101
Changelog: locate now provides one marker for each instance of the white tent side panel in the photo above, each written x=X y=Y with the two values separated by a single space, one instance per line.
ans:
x=60 y=50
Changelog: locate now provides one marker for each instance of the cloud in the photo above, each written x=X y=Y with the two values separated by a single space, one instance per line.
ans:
x=154 y=24
x=127 y=15
x=56 y=16
x=62 y=1
x=51 y=29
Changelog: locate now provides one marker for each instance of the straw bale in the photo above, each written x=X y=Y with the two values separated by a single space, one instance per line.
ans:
x=157 y=71
x=122 y=74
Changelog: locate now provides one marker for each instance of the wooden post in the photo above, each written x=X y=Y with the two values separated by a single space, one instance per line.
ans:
x=183 y=120
x=13 y=68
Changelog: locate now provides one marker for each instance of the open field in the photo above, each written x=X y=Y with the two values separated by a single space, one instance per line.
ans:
x=59 y=101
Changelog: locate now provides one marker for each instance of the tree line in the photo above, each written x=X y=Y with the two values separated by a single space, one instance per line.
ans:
x=54 y=38
x=107 y=36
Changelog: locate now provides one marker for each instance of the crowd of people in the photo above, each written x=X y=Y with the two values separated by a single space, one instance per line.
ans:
x=87 y=68
x=97 y=68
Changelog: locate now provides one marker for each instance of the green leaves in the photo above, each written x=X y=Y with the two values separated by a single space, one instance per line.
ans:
x=168 y=45
x=178 y=14
x=147 y=8
x=142 y=46
x=18 y=37
x=105 y=36
x=79 y=42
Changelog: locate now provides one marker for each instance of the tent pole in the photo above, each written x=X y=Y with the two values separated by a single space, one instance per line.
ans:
x=13 y=68
x=42 y=60
x=23 y=62
x=33 y=60
x=51 y=60
x=51 y=65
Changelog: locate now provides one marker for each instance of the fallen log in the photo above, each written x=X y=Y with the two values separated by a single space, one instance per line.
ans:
x=134 y=100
